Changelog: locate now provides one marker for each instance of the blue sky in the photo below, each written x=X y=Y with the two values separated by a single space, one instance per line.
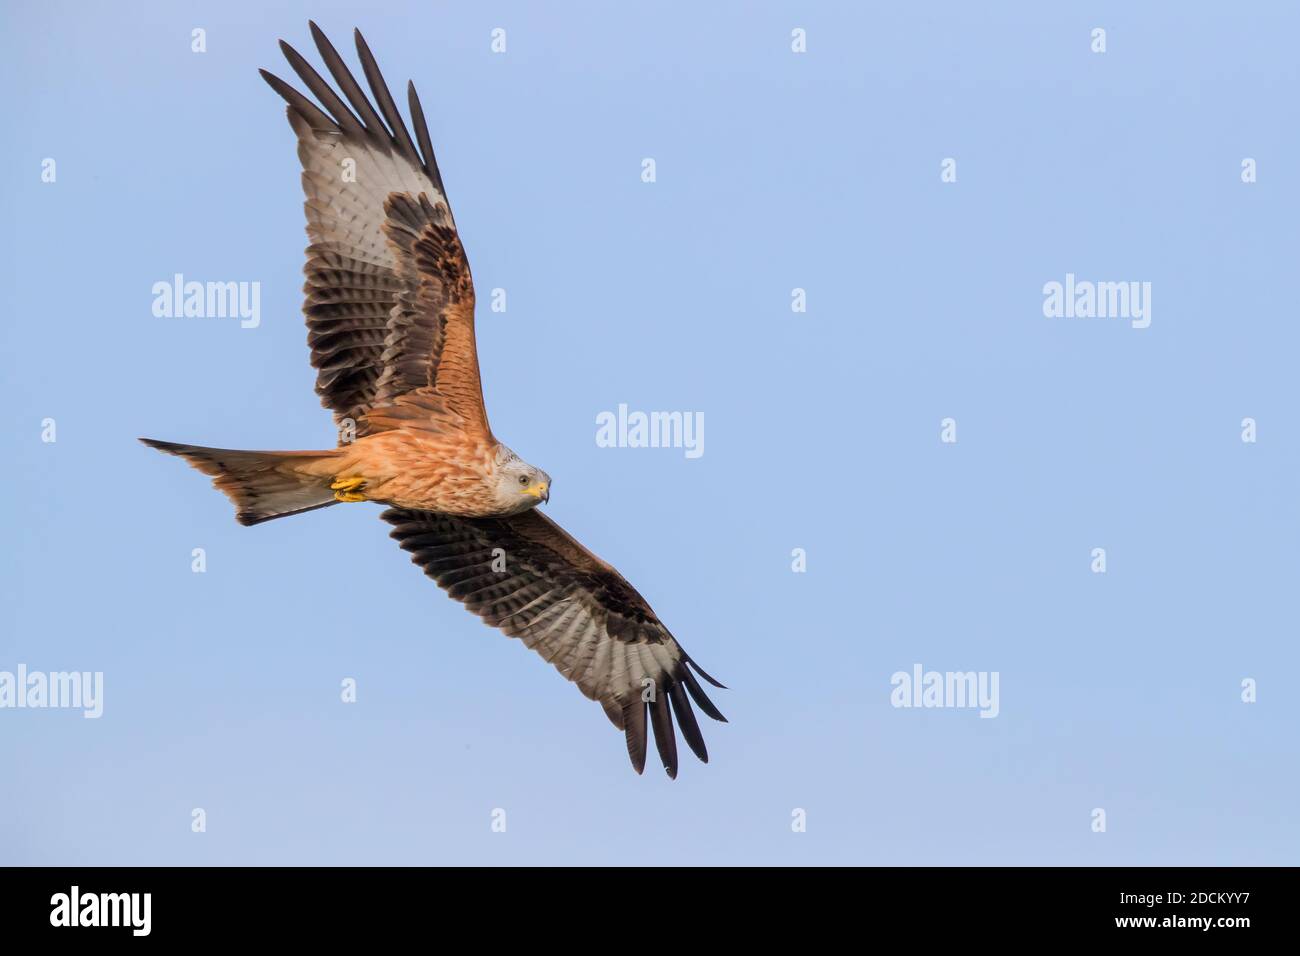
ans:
x=775 y=171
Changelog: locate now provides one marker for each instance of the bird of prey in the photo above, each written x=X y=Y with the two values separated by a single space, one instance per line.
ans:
x=390 y=320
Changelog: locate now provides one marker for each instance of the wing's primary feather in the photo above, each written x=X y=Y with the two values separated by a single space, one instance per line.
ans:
x=389 y=296
x=377 y=85
x=573 y=609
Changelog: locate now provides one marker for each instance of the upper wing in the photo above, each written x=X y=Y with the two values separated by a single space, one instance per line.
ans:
x=390 y=302
x=573 y=609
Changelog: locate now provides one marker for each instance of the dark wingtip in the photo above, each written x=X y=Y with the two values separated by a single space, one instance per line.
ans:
x=634 y=732
x=317 y=34
x=277 y=84
x=690 y=727
x=697 y=694
x=661 y=722
x=700 y=670
x=360 y=41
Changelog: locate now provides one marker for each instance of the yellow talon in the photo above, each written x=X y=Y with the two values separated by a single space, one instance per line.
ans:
x=345 y=489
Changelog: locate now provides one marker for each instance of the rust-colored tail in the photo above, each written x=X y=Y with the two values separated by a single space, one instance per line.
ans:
x=262 y=484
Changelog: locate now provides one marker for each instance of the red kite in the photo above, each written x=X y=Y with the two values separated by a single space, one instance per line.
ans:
x=390 y=319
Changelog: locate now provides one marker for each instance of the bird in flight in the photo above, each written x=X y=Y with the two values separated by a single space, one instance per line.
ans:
x=390 y=321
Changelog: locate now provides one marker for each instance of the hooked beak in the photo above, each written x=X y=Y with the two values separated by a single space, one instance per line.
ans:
x=541 y=491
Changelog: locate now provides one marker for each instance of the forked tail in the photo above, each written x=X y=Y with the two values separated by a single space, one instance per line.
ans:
x=262 y=484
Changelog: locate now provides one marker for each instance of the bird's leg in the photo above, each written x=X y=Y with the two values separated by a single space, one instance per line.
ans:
x=345 y=489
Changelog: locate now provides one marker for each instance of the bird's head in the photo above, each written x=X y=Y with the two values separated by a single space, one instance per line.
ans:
x=518 y=485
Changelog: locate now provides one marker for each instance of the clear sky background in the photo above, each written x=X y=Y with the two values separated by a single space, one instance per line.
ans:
x=776 y=170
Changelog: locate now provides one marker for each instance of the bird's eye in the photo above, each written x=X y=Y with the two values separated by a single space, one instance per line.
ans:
x=523 y=479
